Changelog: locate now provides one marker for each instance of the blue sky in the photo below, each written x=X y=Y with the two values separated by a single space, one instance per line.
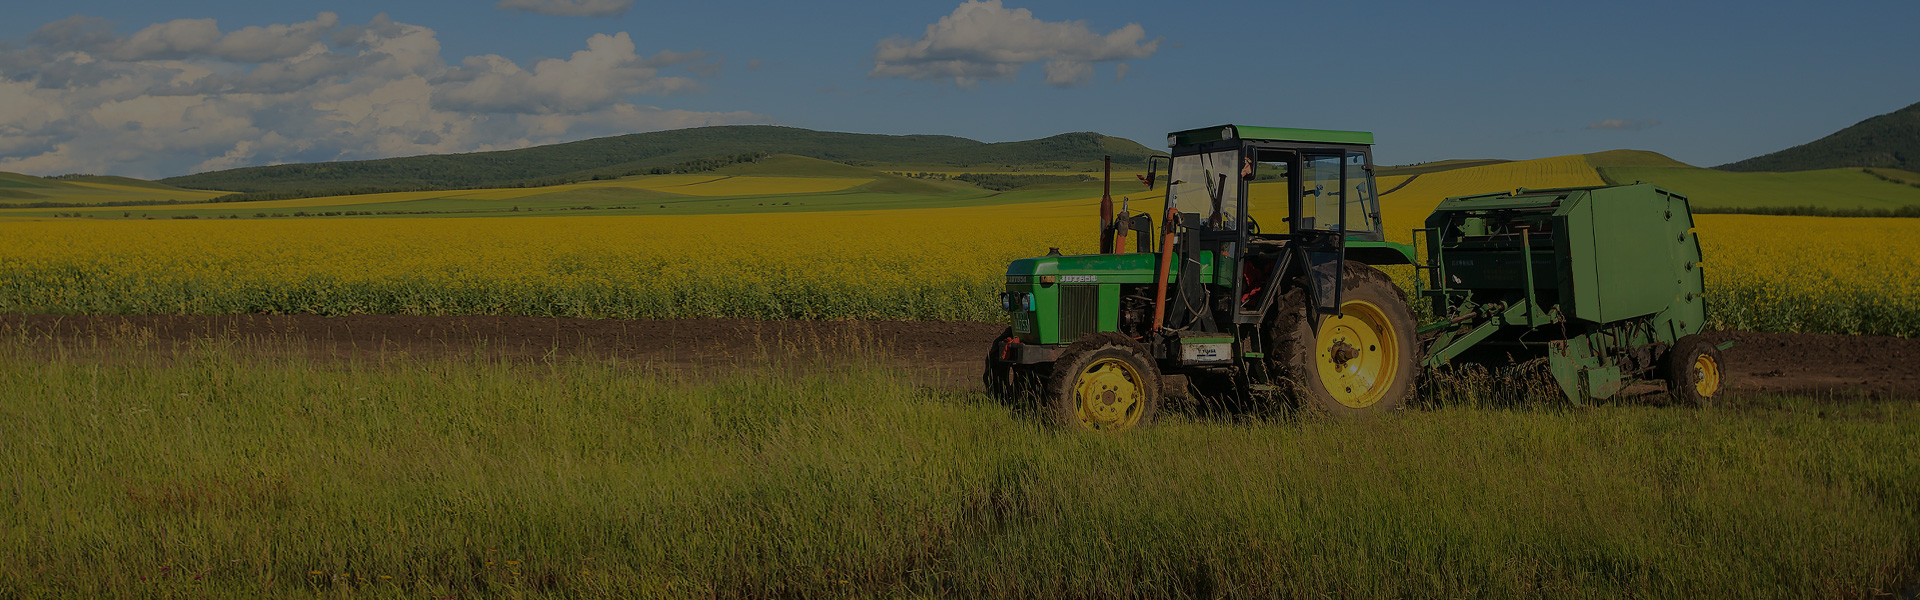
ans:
x=151 y=89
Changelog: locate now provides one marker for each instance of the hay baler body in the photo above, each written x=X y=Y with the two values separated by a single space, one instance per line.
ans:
x=1596 y=282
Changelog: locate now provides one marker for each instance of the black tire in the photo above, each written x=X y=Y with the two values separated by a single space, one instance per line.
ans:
x=1124 y=375
x=1695 y=372
x=1387 y=322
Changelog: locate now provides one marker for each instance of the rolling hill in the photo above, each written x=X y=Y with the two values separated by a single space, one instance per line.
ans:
x=1889 y=141
x=17 y=190
x=662 y=151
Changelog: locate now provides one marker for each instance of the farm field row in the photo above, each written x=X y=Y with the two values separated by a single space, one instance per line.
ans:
x=792 y=183
x=1839 y=275
x=775 y=184
x=214 y=471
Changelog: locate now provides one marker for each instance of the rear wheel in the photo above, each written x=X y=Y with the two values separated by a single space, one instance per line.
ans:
x=1358 y=363
x=1695 y=372
x=1104 y=382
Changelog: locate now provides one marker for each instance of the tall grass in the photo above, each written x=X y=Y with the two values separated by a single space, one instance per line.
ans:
x=210 y=471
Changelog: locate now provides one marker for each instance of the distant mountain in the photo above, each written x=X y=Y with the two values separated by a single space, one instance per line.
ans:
x=1889 y=141
x=641 y=152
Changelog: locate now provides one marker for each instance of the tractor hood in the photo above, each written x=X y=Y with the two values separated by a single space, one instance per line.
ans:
x=1132 y=267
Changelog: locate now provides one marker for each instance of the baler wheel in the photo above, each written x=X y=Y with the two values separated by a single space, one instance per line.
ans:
x=1695 y=372
x=1104 y=382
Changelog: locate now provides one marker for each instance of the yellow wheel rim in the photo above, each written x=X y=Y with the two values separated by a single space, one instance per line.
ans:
x=1357 y=354
x=1706 y=375
x=1110 y=395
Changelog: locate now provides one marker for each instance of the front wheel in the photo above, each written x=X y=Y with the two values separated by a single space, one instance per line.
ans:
x=1104 y=382
x=1358 y=363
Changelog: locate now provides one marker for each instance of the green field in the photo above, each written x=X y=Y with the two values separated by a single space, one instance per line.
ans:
x=23 y=190
x=217 y=471
x=1827 y=188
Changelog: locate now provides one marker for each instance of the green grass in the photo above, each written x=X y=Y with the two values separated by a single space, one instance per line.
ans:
x=219 y=471
x=16 y=180
x=1896 y=175
x=1830 y=188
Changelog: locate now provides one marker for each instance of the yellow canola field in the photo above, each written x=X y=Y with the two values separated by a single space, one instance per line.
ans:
x=1819 y=274
x=929 y=263
x=1846 y=275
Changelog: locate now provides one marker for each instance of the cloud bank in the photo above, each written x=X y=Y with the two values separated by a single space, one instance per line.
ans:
x=185 y=96
x=983 y=40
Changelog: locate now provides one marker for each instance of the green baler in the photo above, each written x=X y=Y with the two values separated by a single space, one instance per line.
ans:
x=1602 y=284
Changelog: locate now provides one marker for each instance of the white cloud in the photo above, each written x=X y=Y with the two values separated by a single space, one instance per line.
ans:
x=172 y=39
x=1624 y=124
x=182 y=97
x=600 y=76
x=983 y=40
x=568 y=8
x=255 y=44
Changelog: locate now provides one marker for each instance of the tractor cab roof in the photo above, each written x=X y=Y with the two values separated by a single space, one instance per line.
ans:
x=1268 y=134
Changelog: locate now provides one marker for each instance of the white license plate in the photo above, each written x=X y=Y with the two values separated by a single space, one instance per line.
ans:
x=1202 y=353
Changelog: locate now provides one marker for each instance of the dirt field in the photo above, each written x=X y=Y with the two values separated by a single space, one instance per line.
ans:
x=944 y=353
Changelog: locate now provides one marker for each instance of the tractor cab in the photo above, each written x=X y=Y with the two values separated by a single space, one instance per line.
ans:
x=1299 y=181
x=1251 y=195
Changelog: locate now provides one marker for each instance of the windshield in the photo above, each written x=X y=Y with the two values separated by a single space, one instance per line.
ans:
x=1321 y=191
x=1267 y=195
x=1208 y=185
x=1363 y=208
x=1325 y=196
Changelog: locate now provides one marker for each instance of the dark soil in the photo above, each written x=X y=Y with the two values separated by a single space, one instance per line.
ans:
x=941 y=353
x=1872 y=366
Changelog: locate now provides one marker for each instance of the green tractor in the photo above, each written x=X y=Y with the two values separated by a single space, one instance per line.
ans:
x=1263 y=277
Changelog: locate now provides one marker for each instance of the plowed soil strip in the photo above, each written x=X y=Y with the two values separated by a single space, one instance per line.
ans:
x=942 y=353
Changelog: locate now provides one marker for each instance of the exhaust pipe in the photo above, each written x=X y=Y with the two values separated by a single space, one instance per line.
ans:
x=1106 y=207
x=1166 y=264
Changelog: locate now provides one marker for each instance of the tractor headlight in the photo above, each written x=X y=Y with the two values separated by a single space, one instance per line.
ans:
x=1016 y=301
